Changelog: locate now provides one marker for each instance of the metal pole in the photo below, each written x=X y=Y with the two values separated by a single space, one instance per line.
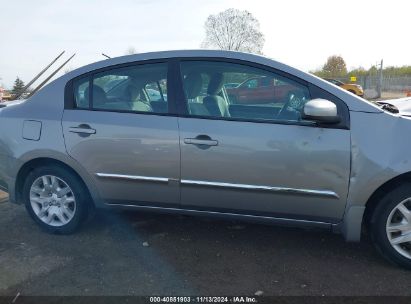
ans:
x=48 y=78
x=379 y=85
x=38 y=75
x=381 y=78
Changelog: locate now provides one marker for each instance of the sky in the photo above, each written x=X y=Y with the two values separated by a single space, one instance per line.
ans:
x=300 y=33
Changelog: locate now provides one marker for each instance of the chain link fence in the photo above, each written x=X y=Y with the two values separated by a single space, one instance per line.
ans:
x=392 y=86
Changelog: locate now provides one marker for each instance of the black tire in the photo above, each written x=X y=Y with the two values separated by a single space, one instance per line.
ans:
x=378 y=224
x=80 y=192
x=352 y=91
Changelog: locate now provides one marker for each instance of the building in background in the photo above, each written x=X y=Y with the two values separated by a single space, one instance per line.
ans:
x=5 y=95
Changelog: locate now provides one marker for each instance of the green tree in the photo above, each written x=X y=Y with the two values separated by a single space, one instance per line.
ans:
x=17 y=87
x=373 y=70
x=360 y=71
x=397 y=71
x=335 y=67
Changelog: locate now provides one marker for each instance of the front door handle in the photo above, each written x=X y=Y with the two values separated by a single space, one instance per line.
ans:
x=201 y=140
x=82 y=129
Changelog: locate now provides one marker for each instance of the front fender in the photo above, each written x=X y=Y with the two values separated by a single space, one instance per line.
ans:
x=379 y=153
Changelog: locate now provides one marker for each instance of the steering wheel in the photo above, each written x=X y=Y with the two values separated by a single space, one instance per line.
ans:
x=294 y=104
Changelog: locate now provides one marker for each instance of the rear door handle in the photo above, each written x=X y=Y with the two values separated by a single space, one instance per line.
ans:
x=82 y=129
x=201 y=140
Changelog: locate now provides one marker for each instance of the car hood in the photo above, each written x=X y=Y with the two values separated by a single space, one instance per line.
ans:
x=402 y=104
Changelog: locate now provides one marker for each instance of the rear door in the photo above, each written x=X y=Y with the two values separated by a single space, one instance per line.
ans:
x=263 y=159
x=128 y=146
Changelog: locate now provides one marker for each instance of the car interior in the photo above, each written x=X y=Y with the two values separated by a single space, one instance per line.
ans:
x=131 y=92
x=145 y=90
x=207 y=96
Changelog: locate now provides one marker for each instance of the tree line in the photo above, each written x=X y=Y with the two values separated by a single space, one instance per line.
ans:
x=335 y=67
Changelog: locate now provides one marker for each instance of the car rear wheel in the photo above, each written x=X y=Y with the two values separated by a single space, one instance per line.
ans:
x=56 y=199
x=391 y=226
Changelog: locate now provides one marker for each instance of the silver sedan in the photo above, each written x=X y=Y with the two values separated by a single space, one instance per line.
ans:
x=282 y=146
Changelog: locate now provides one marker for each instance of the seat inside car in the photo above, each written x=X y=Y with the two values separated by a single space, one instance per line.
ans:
x=133 y=95
x=99 y=96
x=215 y=104
x=193 y=83
x=101 y=101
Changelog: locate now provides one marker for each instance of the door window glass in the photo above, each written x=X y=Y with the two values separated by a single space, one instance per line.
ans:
x=222 y=89
x=138 y=88
x=251 y=84
x=156 y=91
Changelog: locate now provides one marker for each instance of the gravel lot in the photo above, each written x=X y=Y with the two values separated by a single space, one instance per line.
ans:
x=132 y=253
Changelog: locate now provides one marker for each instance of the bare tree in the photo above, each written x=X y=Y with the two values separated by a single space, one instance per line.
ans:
x=131 y=50
x=68 y=69
x=234 y=30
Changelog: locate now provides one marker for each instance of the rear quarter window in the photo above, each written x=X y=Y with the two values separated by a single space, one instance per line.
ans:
x=81 y=93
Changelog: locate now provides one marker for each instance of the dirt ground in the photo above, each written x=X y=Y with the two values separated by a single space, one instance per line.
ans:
x=132 y=253
x=392 y=95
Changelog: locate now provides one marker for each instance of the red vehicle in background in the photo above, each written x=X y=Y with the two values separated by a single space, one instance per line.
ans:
x=260 y=90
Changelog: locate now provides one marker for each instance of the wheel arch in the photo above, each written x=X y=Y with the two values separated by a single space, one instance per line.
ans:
x=357 y=217
x=376 y=196
x=33 y=163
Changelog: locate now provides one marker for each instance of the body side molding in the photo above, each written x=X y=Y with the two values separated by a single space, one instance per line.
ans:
x=324 y=193
x=135 y=177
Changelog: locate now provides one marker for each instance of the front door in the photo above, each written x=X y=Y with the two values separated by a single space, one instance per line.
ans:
x=263 y=159
x=128 y=144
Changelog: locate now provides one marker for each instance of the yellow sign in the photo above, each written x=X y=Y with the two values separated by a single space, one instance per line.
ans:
x=353 y=78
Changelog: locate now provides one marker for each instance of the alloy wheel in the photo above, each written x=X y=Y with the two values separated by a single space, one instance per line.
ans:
x=398 y=228
x=52 y=200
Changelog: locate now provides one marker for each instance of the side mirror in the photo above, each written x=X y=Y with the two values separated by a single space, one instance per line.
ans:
x=321 y=110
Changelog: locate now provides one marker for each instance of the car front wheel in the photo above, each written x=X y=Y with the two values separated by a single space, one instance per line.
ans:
x=56 y=199
x=391 y=226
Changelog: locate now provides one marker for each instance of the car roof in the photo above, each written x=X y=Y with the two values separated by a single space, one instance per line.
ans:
x=354 y=103
x=176 y=54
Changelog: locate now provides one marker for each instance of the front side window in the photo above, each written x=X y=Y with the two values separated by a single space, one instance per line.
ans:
x=139 y=88
x=259 y=95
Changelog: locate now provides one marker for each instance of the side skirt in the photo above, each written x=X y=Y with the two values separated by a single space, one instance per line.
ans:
x=224 y=215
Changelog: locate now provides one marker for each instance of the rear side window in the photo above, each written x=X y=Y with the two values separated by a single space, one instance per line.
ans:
x=138 y=88
x=81 y=97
